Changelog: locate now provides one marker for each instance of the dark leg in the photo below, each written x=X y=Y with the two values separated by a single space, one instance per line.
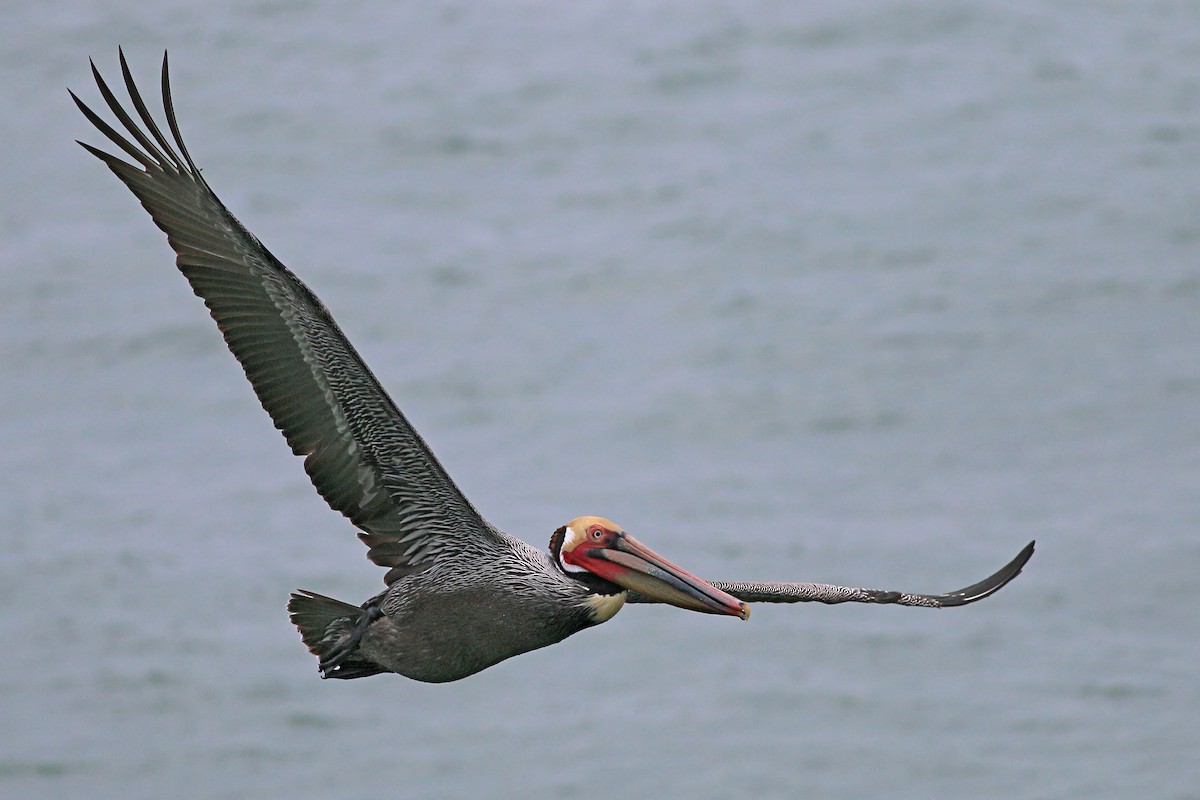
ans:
x=342 y=650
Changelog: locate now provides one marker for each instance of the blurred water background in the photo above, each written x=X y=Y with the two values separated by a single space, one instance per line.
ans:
x=860 y=292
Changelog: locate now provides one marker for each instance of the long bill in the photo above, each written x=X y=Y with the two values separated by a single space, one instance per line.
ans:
x=631 y=565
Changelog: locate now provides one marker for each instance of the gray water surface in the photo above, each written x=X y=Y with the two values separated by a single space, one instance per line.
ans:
x=870 y=293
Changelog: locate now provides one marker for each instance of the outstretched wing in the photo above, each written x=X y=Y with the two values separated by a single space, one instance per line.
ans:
x=360 y=452
x=831 y=595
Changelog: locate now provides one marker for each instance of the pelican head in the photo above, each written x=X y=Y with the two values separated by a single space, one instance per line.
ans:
x=599 y=546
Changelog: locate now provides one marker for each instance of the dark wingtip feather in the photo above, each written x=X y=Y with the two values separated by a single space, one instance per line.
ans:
x=991 y=584
x=113 y=136
x=172 y=123
x=139 y=105
x=164 y=161
x=97 y=152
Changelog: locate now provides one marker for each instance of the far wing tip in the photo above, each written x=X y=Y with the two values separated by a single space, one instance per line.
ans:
x=991 y=584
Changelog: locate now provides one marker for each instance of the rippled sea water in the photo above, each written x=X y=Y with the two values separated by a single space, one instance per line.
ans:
x=870 y=293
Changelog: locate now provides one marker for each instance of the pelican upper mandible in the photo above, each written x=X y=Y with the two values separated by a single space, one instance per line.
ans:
x=460 y=595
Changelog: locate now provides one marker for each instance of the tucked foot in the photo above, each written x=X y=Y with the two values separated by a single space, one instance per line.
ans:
x=336 y=655
x=332 y=630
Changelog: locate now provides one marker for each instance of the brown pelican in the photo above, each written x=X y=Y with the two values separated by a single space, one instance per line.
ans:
x=461 y=595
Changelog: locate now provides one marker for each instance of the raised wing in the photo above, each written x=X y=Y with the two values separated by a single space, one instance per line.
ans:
x=831 y=594
x=362 y=455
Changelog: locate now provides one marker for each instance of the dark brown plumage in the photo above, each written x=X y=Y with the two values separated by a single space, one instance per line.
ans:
x=460 y=594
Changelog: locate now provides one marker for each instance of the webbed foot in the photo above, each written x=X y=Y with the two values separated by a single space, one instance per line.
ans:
x=336 y=655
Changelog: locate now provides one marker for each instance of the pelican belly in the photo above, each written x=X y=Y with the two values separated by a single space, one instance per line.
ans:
x=439 y=637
